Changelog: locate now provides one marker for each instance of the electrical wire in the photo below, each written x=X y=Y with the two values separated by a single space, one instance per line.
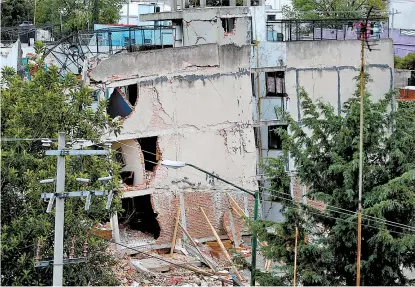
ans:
x=349 y=212
x=158 y=258
x=337 y=218
x=330 y=207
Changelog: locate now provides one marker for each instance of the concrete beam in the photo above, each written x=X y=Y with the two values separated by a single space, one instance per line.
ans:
x=162 y=16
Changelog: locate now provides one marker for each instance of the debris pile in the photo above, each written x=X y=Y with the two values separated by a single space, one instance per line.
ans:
x=189 y=262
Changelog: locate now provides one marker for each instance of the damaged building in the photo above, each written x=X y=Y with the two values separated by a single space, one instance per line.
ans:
x=285 y=56
x=210 y=101
x=191 y=104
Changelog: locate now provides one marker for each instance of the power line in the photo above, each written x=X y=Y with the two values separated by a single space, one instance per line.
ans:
x=375 y=219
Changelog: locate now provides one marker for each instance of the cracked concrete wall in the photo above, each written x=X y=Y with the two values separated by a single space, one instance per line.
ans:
x=326 y=69
x=201 y=111
x=155 y=62
x=201 y=26
x=133 y=159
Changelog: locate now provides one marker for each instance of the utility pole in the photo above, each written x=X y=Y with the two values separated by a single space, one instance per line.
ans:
x=295 y=256
x=60 y=196
x=359 y=214
x=59 y=215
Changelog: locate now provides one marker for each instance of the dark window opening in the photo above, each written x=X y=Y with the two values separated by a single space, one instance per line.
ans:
x=228 y=24
x=274 y=139
x=149 y=149
x=256 y=136
x=132 y=94
x=275 y=84
x=117 y=106
x=127 y=177
x=270 y=17
x=253 y=84
x=119 y=157
x=139 y=215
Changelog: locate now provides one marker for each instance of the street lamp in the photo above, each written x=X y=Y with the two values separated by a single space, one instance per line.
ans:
x=179 y=164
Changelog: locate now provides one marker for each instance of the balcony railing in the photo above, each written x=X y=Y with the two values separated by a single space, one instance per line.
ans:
x=324 y=29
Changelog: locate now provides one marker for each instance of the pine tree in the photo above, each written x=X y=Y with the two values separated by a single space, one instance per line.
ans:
x=325 y=150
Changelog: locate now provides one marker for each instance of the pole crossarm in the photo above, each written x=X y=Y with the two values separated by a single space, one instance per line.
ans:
x=74 y=194
x=62 y=152
x=65 y=261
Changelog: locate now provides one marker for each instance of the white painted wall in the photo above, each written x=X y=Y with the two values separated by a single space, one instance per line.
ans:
x=9 y=56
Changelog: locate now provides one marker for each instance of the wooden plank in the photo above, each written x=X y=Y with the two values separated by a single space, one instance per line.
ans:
x=173 y=244
x=236 y=204
x=221 y=246
x=197 y=248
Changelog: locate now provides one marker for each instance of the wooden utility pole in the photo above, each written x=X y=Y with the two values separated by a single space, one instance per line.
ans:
x=362 y=92
x=295 y=256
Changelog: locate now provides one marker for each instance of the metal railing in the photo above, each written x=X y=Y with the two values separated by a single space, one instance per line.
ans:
x=323 y=29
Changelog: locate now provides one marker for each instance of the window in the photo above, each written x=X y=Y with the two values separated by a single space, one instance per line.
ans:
x=253 y=84
x=275 y=84
x=228 y=24
x=270 y=17
x=256 y=135
x=274 y=139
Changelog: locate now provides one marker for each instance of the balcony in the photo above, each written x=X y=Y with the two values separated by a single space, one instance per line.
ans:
x=325 y=29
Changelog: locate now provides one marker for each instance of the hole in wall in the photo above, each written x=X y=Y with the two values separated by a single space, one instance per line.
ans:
x=117 y=106
x=228 y=24
x=132 y=94
x=150 y=153
x=127 y=177
x=139 y=215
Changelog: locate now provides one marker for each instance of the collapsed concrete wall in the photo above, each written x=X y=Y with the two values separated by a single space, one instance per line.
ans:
x=196 y=102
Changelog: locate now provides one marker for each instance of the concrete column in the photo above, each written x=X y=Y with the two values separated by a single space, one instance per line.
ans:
x=174 y=5
x=115 y=229
x=202 y=3
x=183 y=214
x=261 y=3
x=247 y=3
x=232 y=2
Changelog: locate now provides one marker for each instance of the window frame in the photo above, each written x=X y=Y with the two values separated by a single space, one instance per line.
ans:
x=275 y=137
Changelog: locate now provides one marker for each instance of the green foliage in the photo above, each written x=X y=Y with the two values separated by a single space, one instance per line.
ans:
x=14 y=12
x=325 y=150
x=40 y=109
x=75 y=14
x=316 y=9
x=407 y=62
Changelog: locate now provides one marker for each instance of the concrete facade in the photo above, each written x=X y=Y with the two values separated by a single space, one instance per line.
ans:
x=197 y=102
x=224 y=25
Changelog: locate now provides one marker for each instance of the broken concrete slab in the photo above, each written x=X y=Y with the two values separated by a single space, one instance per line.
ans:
x=152 y=264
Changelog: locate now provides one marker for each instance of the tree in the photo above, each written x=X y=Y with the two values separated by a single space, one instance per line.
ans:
x=325 y=150
x=306 y=9
x=40 y=108
x=75 y=14
x=14 y=12
x=407 y=62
